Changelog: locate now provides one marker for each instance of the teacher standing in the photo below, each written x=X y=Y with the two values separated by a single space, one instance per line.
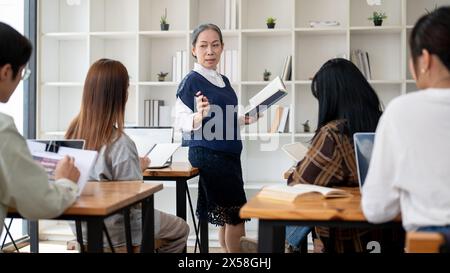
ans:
x=206 y=113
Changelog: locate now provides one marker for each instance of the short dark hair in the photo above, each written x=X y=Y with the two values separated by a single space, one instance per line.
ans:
x=15 y=49
x=344 y=94
x=204 y=27
x=432 y=32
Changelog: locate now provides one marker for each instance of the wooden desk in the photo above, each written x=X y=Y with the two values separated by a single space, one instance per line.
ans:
x=109 y=198
x=181 y=173
x=308 y=211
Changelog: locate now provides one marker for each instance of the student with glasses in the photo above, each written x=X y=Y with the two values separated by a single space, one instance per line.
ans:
x=24 y=185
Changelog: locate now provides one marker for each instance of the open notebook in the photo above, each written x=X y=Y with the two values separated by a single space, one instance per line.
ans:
x=49 y=153
x=292 y=193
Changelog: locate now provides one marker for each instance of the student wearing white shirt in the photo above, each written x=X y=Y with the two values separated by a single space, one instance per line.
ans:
x=205 y=97
x=24 y=184
x=409 y=171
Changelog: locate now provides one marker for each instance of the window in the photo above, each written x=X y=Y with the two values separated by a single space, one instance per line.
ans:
x=12 y=12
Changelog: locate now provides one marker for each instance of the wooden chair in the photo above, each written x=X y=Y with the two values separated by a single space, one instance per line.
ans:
x=424 y=242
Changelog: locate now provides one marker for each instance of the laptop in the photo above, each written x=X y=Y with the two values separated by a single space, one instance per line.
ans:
x=363 y=152
x=49 y=152
x=53 y=145
x=154 y=142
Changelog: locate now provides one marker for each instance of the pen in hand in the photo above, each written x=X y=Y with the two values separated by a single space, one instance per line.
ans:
x=151 y=149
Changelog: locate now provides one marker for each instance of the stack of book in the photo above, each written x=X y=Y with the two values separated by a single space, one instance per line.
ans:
x=317 y=24
x=280 y=121
x=179 y=65
x=361 y=59
x=228 y=65
x=156 y=114
x=231 y=14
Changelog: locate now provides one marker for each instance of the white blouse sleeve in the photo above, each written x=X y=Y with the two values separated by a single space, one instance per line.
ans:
x=380 y=193
x=184 y=118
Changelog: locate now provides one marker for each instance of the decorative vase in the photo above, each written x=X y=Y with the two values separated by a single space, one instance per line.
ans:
x=270 y=25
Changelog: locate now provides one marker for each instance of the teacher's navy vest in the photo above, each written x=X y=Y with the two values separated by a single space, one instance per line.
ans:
x=218 y=97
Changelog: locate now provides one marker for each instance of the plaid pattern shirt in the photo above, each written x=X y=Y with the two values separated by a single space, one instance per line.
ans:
x=330 y=162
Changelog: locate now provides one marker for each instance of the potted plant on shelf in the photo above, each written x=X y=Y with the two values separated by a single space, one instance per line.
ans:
x=163 y=21
x=377 y=18
x=271 y=22
x=306 y=127
x=162 y=76
x=267 y=75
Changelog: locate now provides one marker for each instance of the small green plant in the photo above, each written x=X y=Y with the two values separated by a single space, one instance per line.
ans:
x=377 y=18
x=271 y=20
x=378 y=15
x=267 y=74
x=162 y=76
x=163 y=20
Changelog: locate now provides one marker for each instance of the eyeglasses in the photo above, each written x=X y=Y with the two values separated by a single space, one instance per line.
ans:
x=26 y=73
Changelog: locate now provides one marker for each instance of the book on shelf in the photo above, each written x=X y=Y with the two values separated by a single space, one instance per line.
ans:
x=286 y=74
x=318 y=24
x=179 y=65
x=228 y=65
x=292 y=193
x=84 y=160
x=268 y=96
x=361 y=59
x=230 y=14
x=280 y=121
x=284 y=122
x=152 y=113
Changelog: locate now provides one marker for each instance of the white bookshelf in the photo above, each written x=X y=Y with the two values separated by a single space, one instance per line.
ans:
x=71 y=38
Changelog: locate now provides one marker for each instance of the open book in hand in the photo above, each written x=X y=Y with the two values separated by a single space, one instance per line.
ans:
x=267 y=97
x=291 y=193
x=84 y=160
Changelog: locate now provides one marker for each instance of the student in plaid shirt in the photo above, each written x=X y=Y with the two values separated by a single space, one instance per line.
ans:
x=347 y=104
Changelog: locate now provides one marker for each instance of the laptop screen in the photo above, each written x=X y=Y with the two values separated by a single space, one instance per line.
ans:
x=53 y=145
x=363 y=152
x=146 y=137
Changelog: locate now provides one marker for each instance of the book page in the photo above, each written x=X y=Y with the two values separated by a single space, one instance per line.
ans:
x=290 y=193
x=84 y=160
x=162 y=153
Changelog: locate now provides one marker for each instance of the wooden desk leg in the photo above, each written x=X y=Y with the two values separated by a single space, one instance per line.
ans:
x=148 y=229
x=95 y=235
x=271 y=237
x=34 y=236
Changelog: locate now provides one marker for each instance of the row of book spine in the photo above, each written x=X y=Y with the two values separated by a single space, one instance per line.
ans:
x=361 y=59
x=231 y=10
x=229 y=64
x=156 y=114
x=280 y=120
x=179 y=65
x=286 y=74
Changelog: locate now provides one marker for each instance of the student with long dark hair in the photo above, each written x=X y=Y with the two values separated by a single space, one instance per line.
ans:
x=347 y=104
x=24 y=184
x=409 y=171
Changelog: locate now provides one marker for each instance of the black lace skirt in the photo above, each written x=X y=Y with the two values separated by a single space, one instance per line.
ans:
x=221 y=188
